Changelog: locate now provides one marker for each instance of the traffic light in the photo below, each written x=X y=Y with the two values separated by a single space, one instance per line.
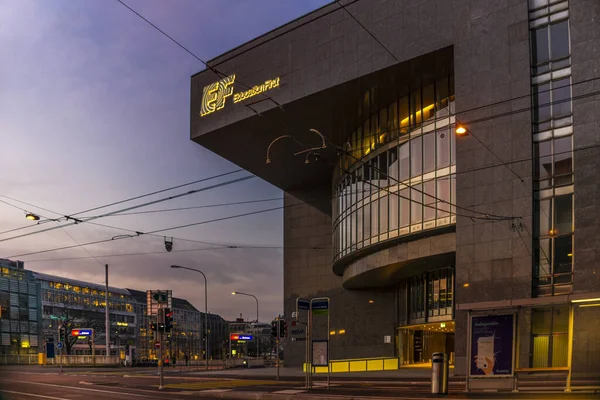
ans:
x=274 y=329
x=153 y=326
x=282 y=328
x=62 y=333
x=168 y=319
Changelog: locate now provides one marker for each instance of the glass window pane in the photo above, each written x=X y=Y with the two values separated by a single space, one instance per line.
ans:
x=443 y=148
x=559 y=38
x=443 y=193
x=563 y=214
x=383 y=214
x=404 y=162
x=452 y=193
x=393 y=165
x=404 y=208
x=416 y=204
x=540 y=49
x=541 y=102
x=416 y=157
x=359 y=225
x=367 y=221
x=429 y=200
x=563 y=161
x=543 y=155
x=542 y=257
x=403 y=109
x=375 y=218
x=415 y=107
x=560 y=320
x=561 y=95
x=428 y=153
x=394 y=217
x=544 y=218
x=383 y=170
x=541 y=321
x=563 y=254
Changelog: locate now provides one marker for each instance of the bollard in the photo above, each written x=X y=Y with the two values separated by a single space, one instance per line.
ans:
x=439 y=373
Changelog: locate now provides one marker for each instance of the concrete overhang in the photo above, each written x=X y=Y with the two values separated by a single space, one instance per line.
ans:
x=388 y=266
x=237 y=134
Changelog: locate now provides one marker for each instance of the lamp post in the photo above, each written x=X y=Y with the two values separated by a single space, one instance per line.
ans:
x=205 y=309
x=251 y=295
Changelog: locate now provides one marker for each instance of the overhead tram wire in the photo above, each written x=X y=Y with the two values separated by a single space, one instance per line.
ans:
x=217 y=72
x=79 y=221
x=365 y=28
x=110 y=204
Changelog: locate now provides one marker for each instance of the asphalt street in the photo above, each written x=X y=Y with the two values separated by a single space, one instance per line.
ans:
x=134 y=384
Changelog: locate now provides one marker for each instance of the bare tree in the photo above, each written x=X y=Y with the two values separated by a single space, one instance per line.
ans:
x=79 y=318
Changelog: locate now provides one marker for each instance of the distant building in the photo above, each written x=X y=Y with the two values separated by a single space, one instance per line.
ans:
x=32 y=304
x=19 y=310
x=83 y=304
x=187 y=336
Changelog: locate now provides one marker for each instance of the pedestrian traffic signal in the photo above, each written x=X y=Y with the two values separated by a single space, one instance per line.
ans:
x=274 y=329
x=168 y=319
x=282 y=328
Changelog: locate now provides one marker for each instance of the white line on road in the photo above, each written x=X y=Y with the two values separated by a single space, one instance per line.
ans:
x=92 y=390
x=288 y=391
x=33 y=395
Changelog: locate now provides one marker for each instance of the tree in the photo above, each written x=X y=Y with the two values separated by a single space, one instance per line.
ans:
x=79 y=318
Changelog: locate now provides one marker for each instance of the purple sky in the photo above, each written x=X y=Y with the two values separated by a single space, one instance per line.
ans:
x=94 y=108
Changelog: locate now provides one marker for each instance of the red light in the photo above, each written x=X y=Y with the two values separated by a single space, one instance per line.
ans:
x=293 y=323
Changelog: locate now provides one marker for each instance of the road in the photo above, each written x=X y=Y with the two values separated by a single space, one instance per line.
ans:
x=31 y=383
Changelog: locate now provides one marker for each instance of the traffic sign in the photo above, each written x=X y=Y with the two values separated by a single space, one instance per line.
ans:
x=59 y=345
x=157 y=345
x=81 y=332
x=303 y=304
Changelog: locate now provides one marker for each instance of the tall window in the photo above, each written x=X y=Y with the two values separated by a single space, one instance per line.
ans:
x=553 y=147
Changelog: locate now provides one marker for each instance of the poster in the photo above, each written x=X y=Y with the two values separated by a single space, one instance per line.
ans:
x=492 y=345
x=319 y=353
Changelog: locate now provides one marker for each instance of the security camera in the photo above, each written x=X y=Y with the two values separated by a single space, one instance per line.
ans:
x=168 y=244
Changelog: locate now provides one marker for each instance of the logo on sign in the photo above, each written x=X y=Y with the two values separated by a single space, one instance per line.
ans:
x=236 y=336
x=215 y=94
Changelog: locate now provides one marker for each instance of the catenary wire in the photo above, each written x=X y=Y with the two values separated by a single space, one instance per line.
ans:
x=365 y=28
x=77 y=221
x=110 y=204
x=217 y=72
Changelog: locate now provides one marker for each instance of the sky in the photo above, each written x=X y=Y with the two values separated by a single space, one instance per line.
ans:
x=94 y=109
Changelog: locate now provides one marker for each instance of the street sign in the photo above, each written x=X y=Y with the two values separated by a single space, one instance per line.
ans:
x=303 y=304
x=320 y=306
x=59 y=345
x=81 y=332
x=157 y=345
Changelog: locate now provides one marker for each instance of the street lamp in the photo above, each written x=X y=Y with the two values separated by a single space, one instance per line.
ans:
x=461 y=130
x=205 y=309
x=32 y=217
x=251 y=295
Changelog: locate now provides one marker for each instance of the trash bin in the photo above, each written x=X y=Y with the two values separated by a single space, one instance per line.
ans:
x=439 y=373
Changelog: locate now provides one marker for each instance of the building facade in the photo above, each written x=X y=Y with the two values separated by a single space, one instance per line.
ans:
x=414 y=232
x=34 y=304
x=20 y=317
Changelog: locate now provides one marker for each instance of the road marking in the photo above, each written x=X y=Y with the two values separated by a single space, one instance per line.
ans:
x=289 y=391
x=216 y=390
x=91 y=390
x=199 y=385
x=33 y=395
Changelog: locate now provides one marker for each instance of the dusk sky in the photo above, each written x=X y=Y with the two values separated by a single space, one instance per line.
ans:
x=94 y=108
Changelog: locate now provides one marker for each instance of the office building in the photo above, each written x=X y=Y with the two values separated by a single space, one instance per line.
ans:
x=423 y=239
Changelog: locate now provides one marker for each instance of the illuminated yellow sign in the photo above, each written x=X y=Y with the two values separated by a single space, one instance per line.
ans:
x=215 y=94
x=122 y=324
x=270 y=84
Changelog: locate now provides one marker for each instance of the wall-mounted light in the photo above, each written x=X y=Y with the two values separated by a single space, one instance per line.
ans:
x=341 y=331
x=466 y=284
x=371 y=302
x=461 y=130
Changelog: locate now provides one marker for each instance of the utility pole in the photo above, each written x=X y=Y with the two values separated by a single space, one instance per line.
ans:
x=106 y=314
x=159 y=332
x=277 y=344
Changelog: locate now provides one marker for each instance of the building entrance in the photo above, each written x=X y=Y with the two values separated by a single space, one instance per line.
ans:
x=416 y=343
